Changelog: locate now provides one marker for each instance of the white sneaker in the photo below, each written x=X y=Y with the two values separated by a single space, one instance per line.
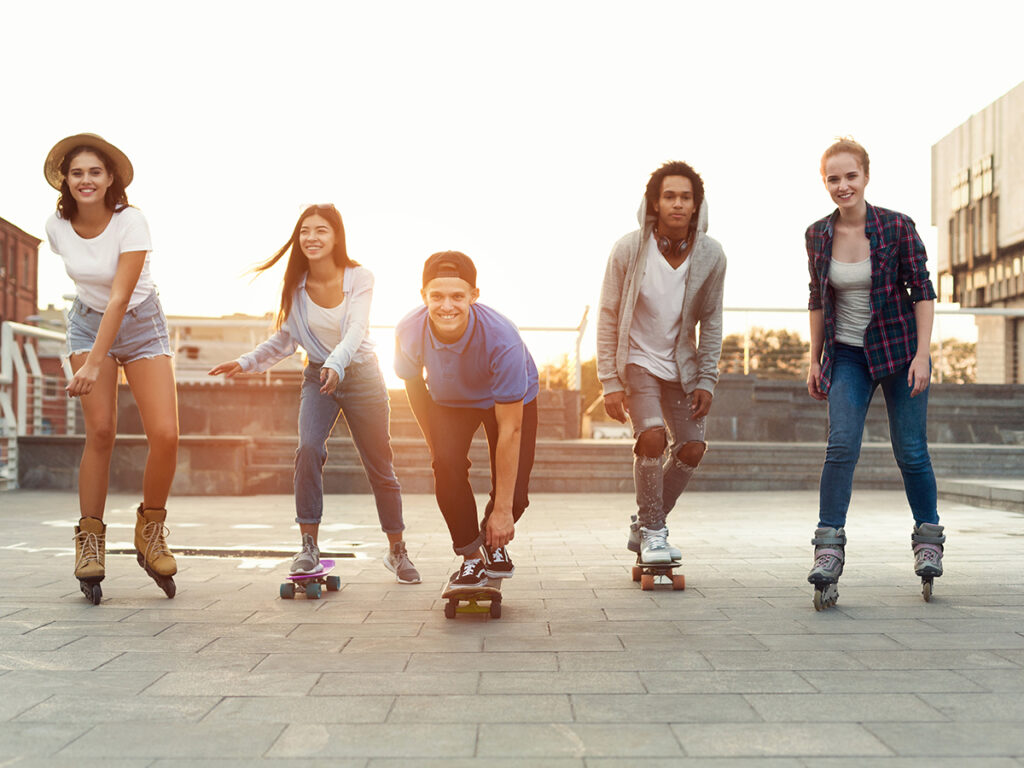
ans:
x=654 y=546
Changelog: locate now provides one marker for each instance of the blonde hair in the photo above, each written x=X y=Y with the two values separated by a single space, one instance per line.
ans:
x=848 y=145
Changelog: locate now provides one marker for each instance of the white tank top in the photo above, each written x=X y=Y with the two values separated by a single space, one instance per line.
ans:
x=325 y=322
x=852 y=284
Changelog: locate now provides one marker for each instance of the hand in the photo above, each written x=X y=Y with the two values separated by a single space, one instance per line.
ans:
x=500 y=529
x=615 y=406
x=329 y=379
x=83 y=381
x=814 y=382
x=700 y=404
x=919 y=375
x=228 y=369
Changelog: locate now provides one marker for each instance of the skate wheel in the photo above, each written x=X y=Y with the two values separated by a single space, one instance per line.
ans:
x=495 y=609
x=647 y=582
x=636 y=573
x=817 y=600
x=333 y=583
x=288 y=591
x=169 y=589
x=449 y=609
x=93 y=592
x=926 y=591
x=678 y=581
x=313 y=591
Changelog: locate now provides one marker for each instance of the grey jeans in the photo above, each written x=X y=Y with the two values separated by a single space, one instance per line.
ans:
x=655 y=402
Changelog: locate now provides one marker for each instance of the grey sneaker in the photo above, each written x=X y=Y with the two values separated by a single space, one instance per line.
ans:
x=633 y=542
x=397 y=561
x=654 y=546
x=308 y=560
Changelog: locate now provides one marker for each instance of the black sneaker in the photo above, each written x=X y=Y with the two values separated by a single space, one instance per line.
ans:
x=497 y=563
x=470 y=575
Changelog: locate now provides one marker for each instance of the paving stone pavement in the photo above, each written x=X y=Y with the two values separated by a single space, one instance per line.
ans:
x=583 y=670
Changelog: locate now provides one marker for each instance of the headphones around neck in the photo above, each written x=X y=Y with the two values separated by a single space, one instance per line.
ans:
x=670 y=248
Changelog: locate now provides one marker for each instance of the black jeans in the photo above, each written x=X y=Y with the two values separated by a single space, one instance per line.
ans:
x=452 y=430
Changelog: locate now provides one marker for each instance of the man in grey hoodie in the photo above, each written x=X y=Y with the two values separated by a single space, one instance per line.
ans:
x=662 y=282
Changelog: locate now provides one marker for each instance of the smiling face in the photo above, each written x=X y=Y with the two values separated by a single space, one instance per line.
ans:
x=88 y=178
x=845 y=180
x=316 y=238
x=448 y=300
x=675 y=206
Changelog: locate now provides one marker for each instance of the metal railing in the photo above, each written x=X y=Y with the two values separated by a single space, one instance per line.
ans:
x=32 y=402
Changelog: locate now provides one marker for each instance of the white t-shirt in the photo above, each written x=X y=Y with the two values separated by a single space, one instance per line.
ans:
x=658 y=315
x=325 y=322
x=852 y=284
x=92 y=262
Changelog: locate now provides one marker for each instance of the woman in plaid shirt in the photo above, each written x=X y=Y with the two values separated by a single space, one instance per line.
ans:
x=871 y=311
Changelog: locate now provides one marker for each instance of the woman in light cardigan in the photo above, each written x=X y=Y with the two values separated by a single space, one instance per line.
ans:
x=325 y=308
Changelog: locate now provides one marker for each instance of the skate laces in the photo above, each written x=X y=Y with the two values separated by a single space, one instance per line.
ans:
x=468 y=567
x=657 y=539
x=928 y=553
x=91 y=552
x=498 y=555
x=155 y=535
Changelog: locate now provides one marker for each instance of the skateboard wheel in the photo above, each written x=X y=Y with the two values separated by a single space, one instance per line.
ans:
x=313 y=591
x=647 y=582
x=678 y=581
x=495 y=609
x=288 y=591
x=333 y=583
x=636 y=573
x=449 y=609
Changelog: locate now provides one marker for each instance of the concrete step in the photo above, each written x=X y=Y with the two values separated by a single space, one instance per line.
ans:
x=606 y=466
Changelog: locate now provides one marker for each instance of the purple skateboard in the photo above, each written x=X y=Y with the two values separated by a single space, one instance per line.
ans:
x=311 y=583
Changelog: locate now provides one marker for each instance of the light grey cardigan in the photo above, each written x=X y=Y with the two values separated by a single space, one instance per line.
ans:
x=702 y=304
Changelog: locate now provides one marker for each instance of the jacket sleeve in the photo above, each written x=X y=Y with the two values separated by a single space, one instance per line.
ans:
x=709 y=348
x=608 y=319
x=814 y=286
x=275 y=349
x=914 y=263
x=357 y=323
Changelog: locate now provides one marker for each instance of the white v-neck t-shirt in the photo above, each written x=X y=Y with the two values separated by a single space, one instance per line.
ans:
x=325 y=322
x=658 y=315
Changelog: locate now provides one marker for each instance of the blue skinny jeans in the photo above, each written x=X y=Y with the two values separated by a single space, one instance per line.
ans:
x=848 y=401
x=363 y=398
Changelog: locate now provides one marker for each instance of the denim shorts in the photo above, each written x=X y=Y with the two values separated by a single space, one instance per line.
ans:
x=143 y=331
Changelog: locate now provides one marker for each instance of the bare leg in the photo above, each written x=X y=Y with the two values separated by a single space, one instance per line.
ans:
x=100 y=410
x=152 y=383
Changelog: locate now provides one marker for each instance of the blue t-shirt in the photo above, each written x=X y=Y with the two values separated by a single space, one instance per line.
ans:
x=489 y=364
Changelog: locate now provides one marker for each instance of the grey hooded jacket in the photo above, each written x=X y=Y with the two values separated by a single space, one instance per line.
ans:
x=702 y=304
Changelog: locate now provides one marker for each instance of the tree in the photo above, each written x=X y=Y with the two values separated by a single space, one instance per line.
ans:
x=775 y=353
x=958 y=363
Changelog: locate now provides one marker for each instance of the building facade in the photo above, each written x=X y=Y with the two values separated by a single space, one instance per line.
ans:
x=978 y=210
x=19 y=266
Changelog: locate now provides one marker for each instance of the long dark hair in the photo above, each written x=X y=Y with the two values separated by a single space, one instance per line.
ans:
x=115 y=199
x=298 y=264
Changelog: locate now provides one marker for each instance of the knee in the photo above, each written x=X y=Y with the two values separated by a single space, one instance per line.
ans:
x=101 y=437
x=165 y=440
x=310 y=452
x=691 y=453
x=651 y=443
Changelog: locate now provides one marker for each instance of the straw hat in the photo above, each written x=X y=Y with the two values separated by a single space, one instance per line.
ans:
x=51 y=168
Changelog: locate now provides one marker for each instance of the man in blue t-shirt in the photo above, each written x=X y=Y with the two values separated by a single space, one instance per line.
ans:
x=478 y=370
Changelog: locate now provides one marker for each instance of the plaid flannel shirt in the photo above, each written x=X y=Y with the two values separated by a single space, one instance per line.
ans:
x=899 y=279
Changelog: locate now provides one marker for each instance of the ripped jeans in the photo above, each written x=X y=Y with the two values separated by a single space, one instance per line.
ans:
x=654 y=402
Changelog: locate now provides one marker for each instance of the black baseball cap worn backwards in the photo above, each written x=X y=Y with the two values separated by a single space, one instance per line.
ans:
x=449 y=264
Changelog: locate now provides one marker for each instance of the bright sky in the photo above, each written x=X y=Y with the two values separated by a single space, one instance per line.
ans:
x=521 y=133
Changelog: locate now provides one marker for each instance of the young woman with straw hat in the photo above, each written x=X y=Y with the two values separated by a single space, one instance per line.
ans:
x=116 y=321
